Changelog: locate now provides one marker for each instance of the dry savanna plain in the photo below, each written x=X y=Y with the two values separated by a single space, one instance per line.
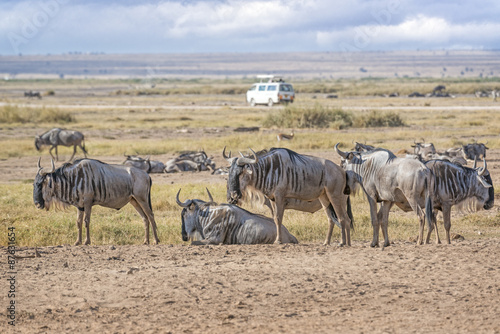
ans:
x=118 y=285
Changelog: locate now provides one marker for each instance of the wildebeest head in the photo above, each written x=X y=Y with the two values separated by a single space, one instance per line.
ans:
x=424 y=149
x=240 y=175
x=359 y=147
x=42 y=186
x=191 y=227
x=475 y=150
x=38 y=143
x=484 y=178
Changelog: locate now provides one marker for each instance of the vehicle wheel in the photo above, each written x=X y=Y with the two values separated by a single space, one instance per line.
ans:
x=252 y=102
x=270 y=103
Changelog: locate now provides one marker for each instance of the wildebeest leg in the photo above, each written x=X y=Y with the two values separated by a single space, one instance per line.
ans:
x=279 y=209
x=339 y=203
x=50 y=151
x=83 y=149
x=88 y=211
x=447 y=221
x=375 y=221
x=432 y=226
x=147 y=217
x=325 y=203
x=74 y=152
x=79 y=221
x=384 y=209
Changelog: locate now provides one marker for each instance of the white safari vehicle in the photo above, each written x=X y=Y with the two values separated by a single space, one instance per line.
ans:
x=270 y=90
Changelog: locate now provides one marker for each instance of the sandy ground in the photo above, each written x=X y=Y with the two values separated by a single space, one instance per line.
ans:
x=259 y=289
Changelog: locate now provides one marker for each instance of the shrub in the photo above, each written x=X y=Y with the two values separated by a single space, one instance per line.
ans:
x=16 y=114
x=375 y=119
x=315 y=117
x=55 y=116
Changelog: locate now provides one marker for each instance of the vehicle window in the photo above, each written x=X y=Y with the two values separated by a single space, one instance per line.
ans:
x=271 y=87
x=286 y=88
x=262 y=88
x=253 y=88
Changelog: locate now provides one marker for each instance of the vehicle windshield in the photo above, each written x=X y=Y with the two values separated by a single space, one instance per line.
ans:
x=286 y=88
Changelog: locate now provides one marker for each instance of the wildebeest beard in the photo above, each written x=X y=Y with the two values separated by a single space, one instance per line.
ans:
x=491 y=193
x=233 y=183
x=183 y=228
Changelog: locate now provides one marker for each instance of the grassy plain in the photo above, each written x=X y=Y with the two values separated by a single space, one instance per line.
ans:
x=127 y=116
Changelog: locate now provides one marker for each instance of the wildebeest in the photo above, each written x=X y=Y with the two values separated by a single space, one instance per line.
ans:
x=458 y=185
x=190 y=162
x=147 y=165
x=206 y=223
x=88 y=182
x=282 y=174
x=475 y=151
x=57 y=136
x=389 y=180
x=31 y=94
x=424 y=149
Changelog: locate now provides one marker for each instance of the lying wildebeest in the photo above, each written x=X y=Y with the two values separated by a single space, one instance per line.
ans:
x=282 y=174
x=475 y=151
x=147 y=165
x=207 y=223
x=31 y=94
x=88 y=182
x=190 y=162
x=390 y=180
x=56 y=137
x=470 y=188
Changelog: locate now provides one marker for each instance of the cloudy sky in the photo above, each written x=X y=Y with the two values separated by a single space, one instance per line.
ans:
x=177 y=26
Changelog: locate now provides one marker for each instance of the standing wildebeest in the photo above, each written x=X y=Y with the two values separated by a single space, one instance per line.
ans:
x=475 y=151
x=88 y=182
x=424 y=149
x=207 y=223
x=63 y=137
x=31 y=94
x=459 y=185
x=390 y=180
x=282 y=174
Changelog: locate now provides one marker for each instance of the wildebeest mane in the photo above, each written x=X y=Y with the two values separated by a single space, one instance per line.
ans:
x=294 y=156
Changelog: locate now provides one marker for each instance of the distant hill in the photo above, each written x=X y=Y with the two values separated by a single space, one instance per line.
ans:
x=326 y=65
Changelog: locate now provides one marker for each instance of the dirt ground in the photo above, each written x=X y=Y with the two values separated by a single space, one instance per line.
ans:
x=256 y=289
x=259 y=289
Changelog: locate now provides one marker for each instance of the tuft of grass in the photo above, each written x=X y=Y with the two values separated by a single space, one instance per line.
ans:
x=375 y=119
x=14 y=114
x=317 y=116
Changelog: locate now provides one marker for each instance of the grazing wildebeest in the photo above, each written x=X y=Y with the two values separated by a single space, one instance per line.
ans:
x=282 y=174
x=147 y=165
x=209 y=223
x=31 y=94
x=56 y=137
x=390 y=180
x=475 y=151
x=88 y=182
x=470 y=188
x=438 y=89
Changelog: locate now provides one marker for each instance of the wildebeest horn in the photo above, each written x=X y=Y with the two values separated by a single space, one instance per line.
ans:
x=475 y=162
x=224 y=154
x=210 y=195
x=243 y=161
x=339 y=152
x=53 y=167
x=39 y=166
x=185 y=204
x=482 y=170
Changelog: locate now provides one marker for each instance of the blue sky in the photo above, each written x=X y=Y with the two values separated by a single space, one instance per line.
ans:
x=61 y=26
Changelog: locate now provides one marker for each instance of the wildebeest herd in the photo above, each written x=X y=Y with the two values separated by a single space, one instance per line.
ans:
x=425 y=183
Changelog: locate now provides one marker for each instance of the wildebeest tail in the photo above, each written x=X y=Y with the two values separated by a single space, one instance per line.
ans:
x=349 y=212
x=149 y=194
x=333 y=214
x=83 y=146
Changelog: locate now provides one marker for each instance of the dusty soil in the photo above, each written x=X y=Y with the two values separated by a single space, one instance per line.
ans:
x=258 y=289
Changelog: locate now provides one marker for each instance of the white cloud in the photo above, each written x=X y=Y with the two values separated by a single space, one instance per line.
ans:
x=237 y=25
